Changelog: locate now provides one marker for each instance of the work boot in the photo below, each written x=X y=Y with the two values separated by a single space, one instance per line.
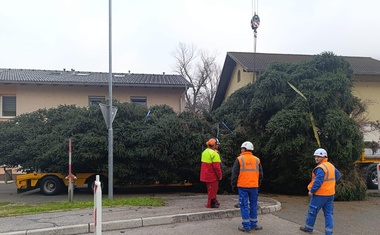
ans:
x=214 y=204
x=241 y=228
x=257 y=227
x=303 y=228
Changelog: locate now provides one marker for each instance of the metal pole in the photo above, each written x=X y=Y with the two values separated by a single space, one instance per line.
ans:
x=110 y=130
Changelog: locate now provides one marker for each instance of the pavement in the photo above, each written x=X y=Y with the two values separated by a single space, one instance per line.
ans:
x=179 y=208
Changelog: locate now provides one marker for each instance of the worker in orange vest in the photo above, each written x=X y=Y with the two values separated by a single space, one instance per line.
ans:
x=211 y=171
x=321 y=190
x=247 y=174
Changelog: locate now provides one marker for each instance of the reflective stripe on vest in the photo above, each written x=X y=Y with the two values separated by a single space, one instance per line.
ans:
x=327 y=173
x=242 y=167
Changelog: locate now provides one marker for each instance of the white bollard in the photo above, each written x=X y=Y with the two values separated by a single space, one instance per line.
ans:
x=97 y=207
x=378 y=176
x=70 y=190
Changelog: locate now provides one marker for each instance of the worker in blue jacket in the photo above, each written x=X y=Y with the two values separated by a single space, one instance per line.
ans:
x=322 y=191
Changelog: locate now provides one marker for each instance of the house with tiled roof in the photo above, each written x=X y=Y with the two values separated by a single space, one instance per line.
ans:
x=242 y=68
x=27 y=90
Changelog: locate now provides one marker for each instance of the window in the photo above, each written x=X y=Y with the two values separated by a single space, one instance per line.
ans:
x=141 y=100
x=95 y=100
x=238 y=77
x=8 y=106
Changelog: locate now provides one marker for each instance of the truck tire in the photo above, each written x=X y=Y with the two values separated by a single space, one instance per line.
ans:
x=372 y=182
x=91 y=184
x=51 y=185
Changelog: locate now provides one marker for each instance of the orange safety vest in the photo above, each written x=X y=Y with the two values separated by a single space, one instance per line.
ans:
x=328 y=186
x=249 y=171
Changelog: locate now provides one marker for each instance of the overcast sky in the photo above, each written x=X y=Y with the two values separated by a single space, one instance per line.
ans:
x=73 y=34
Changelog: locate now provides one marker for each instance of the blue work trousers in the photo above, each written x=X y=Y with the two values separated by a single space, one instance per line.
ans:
x=316 y=203
x=248 y=206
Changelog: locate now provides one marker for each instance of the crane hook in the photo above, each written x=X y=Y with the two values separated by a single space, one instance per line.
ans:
x=255 y=22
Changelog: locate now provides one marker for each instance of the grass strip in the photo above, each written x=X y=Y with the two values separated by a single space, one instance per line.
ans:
x=12 y=209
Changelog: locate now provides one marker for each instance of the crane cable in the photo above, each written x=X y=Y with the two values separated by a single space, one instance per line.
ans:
x=255 y=7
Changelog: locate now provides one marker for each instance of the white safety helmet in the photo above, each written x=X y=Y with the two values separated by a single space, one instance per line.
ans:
x=247 y=145
x=320 y=152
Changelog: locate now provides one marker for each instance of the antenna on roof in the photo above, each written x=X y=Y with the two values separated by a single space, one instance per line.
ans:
x=255 y=22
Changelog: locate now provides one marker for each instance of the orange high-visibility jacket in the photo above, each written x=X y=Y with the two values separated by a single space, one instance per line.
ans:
x=249 y=170
x=328 y=186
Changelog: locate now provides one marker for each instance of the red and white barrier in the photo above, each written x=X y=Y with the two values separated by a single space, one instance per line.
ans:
x=97 y=207
x=378 y=176
x=71 y=178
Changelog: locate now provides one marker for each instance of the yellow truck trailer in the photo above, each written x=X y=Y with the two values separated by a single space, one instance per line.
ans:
x=55 y=183
x=368 y=166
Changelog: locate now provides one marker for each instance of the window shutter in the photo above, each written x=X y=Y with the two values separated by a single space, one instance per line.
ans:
x=9 y=105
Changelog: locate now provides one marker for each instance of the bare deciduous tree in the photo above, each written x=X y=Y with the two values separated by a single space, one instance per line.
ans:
x=202 y=71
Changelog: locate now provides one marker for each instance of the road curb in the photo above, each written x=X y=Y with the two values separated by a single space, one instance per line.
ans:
x=148 y=221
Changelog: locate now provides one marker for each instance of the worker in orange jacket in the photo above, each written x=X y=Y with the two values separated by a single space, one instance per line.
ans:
x=321 y=190
x=247 y=174
x=211 y=171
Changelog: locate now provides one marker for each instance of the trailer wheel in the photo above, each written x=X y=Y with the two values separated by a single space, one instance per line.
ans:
x=91 y=184
x=51 y=185
x=372 y=182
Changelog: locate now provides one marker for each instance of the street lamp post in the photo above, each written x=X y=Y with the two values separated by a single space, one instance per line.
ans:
x=110 y=119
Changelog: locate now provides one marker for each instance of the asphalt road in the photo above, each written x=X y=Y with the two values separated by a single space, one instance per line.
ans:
x=355 y=217
x=273 y=225
x=351 y=218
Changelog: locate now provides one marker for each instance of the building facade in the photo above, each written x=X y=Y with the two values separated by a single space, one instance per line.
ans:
x=24 y=91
